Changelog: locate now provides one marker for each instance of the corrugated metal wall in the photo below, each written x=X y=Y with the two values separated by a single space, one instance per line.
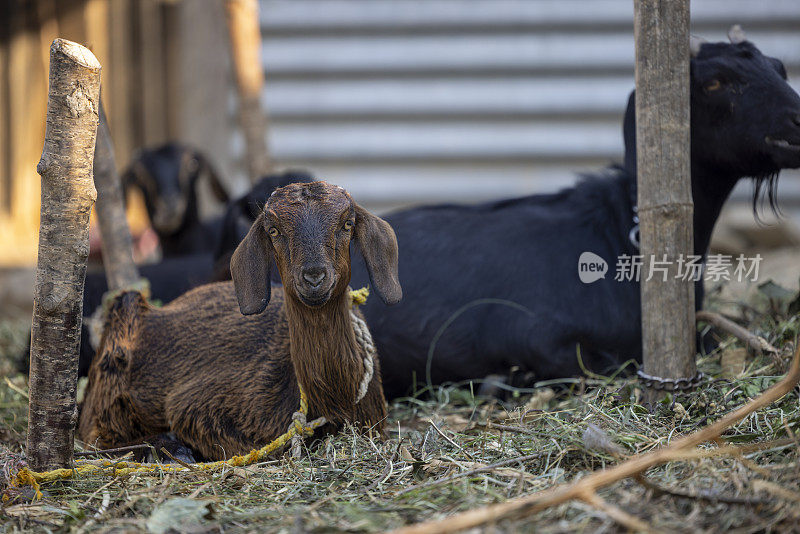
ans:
x=405 y=101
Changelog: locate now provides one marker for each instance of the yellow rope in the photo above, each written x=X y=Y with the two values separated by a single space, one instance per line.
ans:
x=359 y=296
x=298 y=427
x=27 y=477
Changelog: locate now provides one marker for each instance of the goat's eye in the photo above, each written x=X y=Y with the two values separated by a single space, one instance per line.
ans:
x=713 y=85
x=274 y=232
x=348 y=225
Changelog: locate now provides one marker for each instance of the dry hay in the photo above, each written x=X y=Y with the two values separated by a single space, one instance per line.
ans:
x=452 y=451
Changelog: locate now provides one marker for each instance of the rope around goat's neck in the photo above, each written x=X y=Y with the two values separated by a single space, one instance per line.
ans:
x=364 y=338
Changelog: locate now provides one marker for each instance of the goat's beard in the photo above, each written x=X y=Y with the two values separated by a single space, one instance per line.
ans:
x=765 y=191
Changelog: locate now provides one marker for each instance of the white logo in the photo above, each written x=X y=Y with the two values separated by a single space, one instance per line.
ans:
x=591 y=267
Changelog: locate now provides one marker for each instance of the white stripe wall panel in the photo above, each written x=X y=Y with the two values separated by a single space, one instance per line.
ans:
x=408 y=101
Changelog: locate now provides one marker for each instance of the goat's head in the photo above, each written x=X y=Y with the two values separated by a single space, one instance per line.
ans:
x=745 y=116
x=167 y=176
x=306 y=229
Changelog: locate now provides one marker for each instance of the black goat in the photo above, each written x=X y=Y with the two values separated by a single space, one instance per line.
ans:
x=167 y=177
x=241 y=214
x=496 y=285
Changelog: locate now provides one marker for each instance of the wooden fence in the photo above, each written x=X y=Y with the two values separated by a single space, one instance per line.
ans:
x=162 y=62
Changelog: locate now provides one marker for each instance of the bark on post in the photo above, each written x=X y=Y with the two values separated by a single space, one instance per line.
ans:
x=67 y=197
x=245 y=40
x=121 y=271
x=664 y=186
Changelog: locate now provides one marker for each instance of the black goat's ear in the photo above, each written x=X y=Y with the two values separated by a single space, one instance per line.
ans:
x=217 y=188
x=128 y=180
x=136 y=175
x=378 y=245
x=250 y=269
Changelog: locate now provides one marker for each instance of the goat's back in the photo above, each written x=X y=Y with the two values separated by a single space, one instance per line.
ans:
x=199 y=350
x=504 y=278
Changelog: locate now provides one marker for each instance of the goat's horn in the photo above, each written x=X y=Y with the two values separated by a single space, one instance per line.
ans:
x=736 y=34
x=694 y=44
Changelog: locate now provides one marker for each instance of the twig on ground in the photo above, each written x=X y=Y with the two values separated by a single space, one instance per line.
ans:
x=16 y=388
x=699 y=495
x=178 y=461
x=97 y=452
x=471 y=472
x=489 y=425
x=634 y=524
x=755 y=343
x=451 y=442
x=776 y=490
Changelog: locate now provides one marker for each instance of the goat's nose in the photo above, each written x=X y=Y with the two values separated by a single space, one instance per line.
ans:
x=314 y=275
x=796 y=119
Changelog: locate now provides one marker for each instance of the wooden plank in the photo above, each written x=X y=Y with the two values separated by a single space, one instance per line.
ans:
x=171 y=58
x=27 y=97
x=495 y=53
x=96 y=15
x=205 y=84
x=71 y=20
x=151 y=83
x=118 y=76
x=5 y=120
x=245 y=49
x=590 y=15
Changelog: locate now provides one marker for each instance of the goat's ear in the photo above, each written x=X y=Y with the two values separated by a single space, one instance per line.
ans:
x=250 y=269
x=378 y=245
x=216 y=184
x=136 y=175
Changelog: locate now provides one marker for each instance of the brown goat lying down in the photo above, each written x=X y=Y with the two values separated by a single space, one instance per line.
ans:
x=223 y=375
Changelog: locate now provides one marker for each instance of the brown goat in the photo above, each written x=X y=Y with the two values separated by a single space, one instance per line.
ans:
x=224 y=378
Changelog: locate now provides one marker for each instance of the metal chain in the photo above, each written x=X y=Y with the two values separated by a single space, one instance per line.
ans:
x=670 y=384
x=633 y=235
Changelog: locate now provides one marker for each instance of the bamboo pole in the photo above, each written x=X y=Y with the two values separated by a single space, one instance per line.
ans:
x=67 y=196
x=245 y=41
x=121 y=271
x=664 y=186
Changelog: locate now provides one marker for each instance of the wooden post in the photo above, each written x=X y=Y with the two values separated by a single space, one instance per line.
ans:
x=664 y=185
x=245 y=38
x=121 y=272
x=67 y=197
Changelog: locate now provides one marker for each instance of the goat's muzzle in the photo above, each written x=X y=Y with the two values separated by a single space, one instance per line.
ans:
x=315 y=285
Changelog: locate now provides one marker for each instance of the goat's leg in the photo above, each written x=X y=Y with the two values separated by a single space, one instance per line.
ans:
x=212 y=429
x=167 y=448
